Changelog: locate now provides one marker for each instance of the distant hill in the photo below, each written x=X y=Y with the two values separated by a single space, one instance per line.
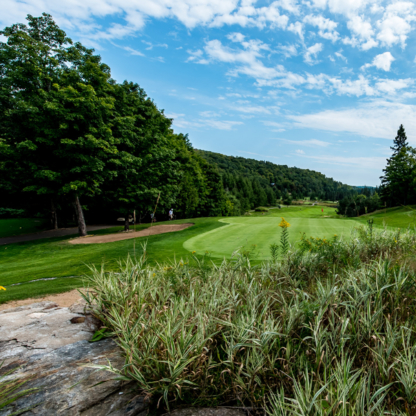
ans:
x=272 y=180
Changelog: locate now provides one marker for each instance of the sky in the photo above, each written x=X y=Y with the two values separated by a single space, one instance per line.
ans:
x=317 y=84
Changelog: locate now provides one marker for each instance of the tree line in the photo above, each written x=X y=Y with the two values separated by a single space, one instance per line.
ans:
x=70 y=134
x=249 y=183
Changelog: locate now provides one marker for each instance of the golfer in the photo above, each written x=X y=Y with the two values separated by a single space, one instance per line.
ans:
x=171 y=214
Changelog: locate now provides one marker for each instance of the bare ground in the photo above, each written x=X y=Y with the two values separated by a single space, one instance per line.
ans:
x=65 y=299
x=60 y=232
x=110 y=238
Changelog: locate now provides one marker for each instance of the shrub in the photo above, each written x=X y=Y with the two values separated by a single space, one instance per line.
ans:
x=261 y=209
x=328 y=330
x=11 y=213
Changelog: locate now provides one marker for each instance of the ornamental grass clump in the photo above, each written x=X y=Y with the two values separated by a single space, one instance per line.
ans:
x=329 y=330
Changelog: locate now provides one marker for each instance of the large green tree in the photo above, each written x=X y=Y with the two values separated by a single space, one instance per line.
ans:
x=55 y=111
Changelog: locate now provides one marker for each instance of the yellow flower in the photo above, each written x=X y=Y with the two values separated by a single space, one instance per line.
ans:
x=193 y=252
x=284 y=223
x=2 y=288
x=154 y=274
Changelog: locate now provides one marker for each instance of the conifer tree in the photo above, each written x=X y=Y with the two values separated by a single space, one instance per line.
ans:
x=400 y=141
x=399 y=172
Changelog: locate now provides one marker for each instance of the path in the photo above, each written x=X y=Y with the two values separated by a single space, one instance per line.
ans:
x=60 y=232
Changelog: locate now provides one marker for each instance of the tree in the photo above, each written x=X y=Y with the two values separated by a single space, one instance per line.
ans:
x=400 y=141
x=399 y=173
x=54 y=114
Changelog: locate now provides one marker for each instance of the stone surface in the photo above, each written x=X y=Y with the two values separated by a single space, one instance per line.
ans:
x=45 y=348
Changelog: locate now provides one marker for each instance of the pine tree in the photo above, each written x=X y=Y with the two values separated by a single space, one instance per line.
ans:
x=399 y=172
x=400 y=141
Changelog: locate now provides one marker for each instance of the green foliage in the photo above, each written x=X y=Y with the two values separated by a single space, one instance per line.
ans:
x=357 y=205
x=397 y=183
x=11 y=213
x=274 y=251
x=256 y=183
x=261 y=209
x=67 y=130
x=317 y=334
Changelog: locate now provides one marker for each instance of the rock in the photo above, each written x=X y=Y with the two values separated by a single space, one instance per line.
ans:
x=48 y=346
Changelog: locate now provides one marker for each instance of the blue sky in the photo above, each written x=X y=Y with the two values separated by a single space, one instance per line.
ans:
x=317 y=84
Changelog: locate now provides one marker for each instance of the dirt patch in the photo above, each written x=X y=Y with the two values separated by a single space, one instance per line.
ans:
x=65 y=299
x=110 y=238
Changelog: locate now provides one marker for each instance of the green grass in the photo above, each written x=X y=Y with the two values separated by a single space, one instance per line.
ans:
x=56 y=258
x=397 y=217
x=256 y=234
x=18 y=226
x=27 y=261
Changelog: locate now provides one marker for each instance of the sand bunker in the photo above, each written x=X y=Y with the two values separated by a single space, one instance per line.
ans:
x=62 y=299
x=110 y=238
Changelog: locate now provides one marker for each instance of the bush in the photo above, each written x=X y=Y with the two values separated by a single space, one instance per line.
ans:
x=11 y=213
x=330 y=329
x=261 y=209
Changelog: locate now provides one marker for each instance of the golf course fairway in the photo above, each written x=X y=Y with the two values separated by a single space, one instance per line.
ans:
x=256 y=233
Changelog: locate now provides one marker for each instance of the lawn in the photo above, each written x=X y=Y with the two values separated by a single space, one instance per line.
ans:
x=56 y=258
x=256 y=234
x=18 y=226
x=65 y=263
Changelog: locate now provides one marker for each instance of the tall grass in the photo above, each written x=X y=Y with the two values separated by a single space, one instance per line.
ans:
x=328 y=330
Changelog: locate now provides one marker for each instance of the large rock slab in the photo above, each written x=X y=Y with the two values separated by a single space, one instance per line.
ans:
x=48 y=346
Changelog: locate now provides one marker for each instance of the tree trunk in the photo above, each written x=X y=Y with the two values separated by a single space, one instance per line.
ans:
x=126 y=223
x=82 y=228
x=54 y=218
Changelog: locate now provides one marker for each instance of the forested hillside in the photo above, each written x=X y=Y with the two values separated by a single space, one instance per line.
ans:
x=249 y=183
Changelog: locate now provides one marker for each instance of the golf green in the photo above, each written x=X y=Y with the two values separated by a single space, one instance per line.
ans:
x=255 y=234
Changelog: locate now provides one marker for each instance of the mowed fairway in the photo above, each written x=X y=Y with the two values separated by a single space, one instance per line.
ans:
x=256 y=233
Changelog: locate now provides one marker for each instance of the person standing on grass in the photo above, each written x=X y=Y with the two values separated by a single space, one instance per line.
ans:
x=171 y=214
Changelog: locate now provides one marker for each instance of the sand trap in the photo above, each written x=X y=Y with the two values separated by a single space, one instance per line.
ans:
x=110 y=238
x=62 y=299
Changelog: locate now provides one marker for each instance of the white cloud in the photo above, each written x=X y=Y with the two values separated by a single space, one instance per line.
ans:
x=300 y=152
x=296 y=28
x=362 y=162
x=326 y=26
x=379 y=119
x=289 y=50
x=133 y=51
x=382 y=61
x=395 y=25
x=312 y=52
x=309 y=143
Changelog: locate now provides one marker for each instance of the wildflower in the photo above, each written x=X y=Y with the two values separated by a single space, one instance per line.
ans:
x=154 y=274
x=193 y=252
x=2 y=288
x=284 y=223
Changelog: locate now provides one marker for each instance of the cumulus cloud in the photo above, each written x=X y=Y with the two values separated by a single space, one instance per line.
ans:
x=326 y=26
x=311 y=53
x=382 y=61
